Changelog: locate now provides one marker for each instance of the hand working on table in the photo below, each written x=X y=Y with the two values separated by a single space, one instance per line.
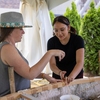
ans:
x=50 y=79
x=64 y=78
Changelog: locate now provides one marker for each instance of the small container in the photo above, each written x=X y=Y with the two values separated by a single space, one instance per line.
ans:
x=69 y=97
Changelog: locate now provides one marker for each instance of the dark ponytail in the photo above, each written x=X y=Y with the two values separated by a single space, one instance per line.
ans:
x=72 y=30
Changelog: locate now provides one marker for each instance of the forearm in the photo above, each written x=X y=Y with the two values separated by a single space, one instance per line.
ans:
x=24 y=70
x=44 y=60
x=79 y=62
x=44 y=76
x=78 y=67
x=55 y=69
x=38 y=67
x=40 y=75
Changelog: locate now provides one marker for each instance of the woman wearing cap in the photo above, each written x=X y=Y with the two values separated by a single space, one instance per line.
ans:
x=66 y=39
x=11 y=24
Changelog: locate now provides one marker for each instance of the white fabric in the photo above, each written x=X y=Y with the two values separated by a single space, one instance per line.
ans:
x=34 y=42
x=54 y=3
x=78 y=4
x=98 y=4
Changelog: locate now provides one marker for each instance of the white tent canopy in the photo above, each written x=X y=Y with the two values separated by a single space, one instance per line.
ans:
x=53 y=3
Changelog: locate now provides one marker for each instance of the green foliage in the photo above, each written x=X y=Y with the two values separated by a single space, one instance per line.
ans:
x=90 y=31
x=74 y=17
x=52 y=16
x=67 y=12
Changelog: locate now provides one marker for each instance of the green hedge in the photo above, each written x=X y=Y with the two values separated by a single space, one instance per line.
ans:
x=90 y=31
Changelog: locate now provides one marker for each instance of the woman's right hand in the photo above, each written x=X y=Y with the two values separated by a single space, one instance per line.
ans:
x=51 y=79
x=58 y=53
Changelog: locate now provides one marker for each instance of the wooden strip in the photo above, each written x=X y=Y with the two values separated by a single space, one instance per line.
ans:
x=46 y=87
x=49 y=87
x=11 y=79
x=99 y=55
x=99 y=62
x=12 y=96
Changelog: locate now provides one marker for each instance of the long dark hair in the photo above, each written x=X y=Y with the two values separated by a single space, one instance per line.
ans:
x=64 y=20
x=4 y=33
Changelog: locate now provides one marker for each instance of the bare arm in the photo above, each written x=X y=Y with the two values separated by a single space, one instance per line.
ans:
x=11 y=57
x=49 y=78
x=79 y=64
x=53 y=66
x=55 y=69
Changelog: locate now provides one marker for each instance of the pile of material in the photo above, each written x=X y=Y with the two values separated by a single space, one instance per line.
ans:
x=38 y=82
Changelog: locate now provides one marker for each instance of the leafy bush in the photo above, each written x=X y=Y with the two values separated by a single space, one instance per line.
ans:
x=52 y=16
x=90 y=31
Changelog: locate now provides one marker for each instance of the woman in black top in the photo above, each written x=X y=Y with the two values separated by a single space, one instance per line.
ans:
x=66 y=39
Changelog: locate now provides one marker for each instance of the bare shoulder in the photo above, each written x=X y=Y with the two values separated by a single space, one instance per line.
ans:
x=7 y=47
x=9 y=54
